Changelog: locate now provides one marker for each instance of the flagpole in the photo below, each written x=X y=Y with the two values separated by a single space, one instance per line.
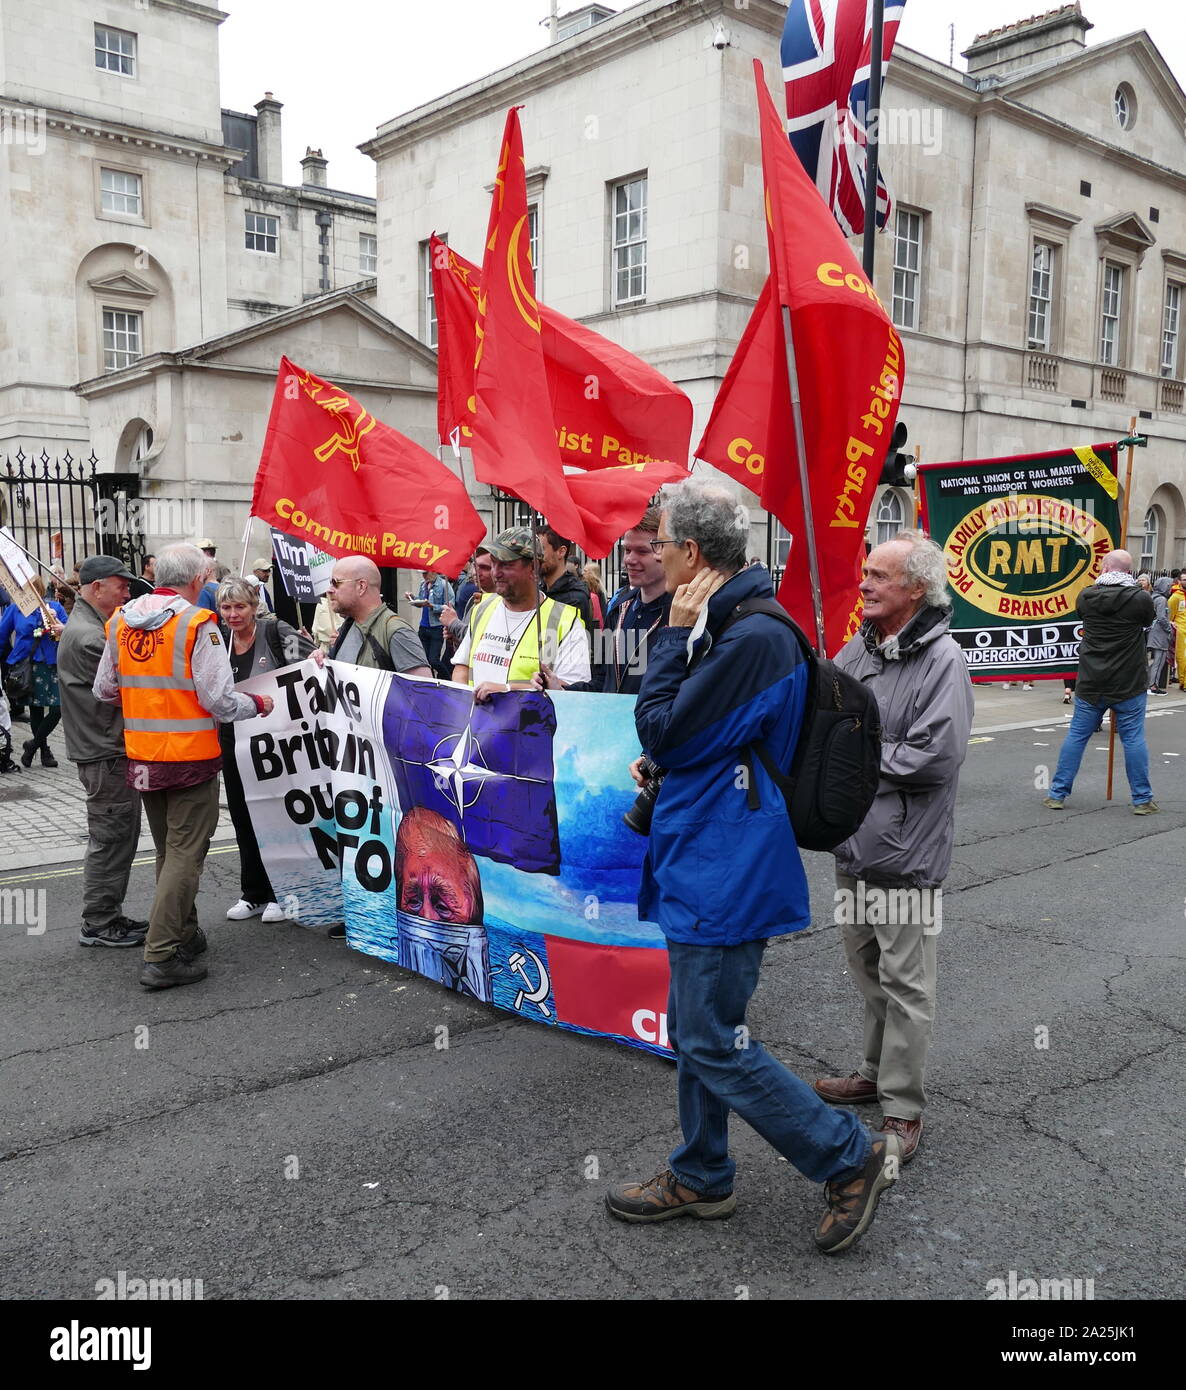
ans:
x=11 y=538
x=873 y=113
x=804 y=485
x=539 y=641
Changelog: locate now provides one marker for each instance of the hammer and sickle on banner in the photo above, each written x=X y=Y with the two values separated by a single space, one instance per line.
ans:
x=349 y=433
x=524 y=299
x=532 y=994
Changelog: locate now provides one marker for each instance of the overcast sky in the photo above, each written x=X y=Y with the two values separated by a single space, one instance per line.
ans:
x=344 y=68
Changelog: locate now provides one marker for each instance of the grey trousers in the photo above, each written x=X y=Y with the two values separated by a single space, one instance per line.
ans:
x=183 y=821
x=894 y=966
x=1159 y=660
x=113 y=828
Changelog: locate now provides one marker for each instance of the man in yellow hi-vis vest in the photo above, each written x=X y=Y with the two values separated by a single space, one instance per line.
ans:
x=501 y=647
x=166 y=664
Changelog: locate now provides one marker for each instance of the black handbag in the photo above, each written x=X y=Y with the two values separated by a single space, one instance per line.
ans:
x=20 y=681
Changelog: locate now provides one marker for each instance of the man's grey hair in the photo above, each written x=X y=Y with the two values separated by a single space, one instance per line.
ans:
x=177 y=566
x=237 y=591
x=925 y=564
x=710 y=515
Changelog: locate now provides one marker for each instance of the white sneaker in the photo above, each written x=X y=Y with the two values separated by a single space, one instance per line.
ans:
x=243 y=909
x=274 y=913
x=1027 y=685
x=1005 y=685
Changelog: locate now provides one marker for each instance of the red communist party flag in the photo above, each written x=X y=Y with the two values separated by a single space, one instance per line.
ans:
x=522 y=412
x=850 y=367
x=455 y=289
x=330 y=472
x=513 y=443
x=609 y=407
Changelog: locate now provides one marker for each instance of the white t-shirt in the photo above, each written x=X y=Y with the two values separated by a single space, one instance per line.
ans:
x=497 y=644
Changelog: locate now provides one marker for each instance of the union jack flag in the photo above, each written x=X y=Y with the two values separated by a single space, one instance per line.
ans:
x=826 y=57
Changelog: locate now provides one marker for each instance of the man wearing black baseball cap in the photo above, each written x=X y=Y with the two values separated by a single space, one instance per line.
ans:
x=95 y=742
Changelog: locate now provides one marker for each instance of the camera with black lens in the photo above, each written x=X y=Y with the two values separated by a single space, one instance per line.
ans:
x=638 y=818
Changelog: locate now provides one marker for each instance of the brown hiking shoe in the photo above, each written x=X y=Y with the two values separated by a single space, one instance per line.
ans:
x=852 y=1205
x=846 y=1090
x=908 y=1131
x=664 y=1197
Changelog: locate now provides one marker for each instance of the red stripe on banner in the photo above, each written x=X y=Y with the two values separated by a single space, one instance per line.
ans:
x=610 y=989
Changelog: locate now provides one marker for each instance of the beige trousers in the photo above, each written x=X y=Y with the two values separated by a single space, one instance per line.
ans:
x=894 y=966
x=183 y=821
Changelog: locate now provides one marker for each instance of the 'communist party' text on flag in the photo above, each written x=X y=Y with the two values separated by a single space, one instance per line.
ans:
x=331 y=473
x=850 y=367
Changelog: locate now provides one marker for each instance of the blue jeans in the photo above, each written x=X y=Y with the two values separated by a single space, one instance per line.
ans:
x=720 y=1068
x=1130 y=725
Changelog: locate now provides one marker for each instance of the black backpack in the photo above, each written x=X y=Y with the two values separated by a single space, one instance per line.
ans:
x=837 y=763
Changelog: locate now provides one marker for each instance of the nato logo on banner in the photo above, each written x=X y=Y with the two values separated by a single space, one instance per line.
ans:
x=487 y=769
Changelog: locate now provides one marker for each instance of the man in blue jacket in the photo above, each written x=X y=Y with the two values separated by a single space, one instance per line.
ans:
x=721 y=878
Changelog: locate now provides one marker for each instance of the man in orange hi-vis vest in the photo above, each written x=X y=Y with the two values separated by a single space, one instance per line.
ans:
x=167 y=666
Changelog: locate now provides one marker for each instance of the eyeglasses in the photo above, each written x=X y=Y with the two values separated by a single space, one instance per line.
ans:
x=657 y=545
x=337 y=583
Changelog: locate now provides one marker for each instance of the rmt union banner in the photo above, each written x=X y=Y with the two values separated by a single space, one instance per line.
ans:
x=480 y=845
x=1022 y=537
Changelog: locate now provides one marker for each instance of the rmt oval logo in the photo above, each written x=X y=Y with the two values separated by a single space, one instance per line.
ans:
x=142 y=643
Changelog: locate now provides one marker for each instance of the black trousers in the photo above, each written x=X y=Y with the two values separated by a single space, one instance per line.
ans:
x=43 y=722
x=254 y=884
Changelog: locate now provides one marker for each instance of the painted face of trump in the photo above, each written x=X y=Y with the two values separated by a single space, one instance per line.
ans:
x=436 y=876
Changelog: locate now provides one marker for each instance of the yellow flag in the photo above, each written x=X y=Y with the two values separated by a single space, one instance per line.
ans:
x=1098 y=469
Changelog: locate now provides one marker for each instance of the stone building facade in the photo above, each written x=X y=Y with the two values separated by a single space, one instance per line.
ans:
x=1034 y=264
x=138 y=219
x=157 y=266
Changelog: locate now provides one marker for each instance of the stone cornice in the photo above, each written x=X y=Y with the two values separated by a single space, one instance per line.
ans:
x=558 y=63
x=203 y=355
x=1052 y=217
x=191 y=7
x=129 y=137
x=305 y=194
x=997 y=104
x=1143 y=49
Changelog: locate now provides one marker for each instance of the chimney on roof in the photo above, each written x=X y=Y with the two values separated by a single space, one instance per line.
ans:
x=270 y=155
x=1059 y=33
x=313 y=168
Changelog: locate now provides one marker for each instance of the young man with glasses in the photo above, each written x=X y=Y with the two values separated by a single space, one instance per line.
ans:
x=635 y=615
x=501 y=647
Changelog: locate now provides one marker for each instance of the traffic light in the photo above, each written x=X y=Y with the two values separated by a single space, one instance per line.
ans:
x=899 y=469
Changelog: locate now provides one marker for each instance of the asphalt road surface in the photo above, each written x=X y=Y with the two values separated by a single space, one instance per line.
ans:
x=292 y=1127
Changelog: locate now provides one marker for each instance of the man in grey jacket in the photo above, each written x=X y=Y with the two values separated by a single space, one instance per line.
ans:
x=889 y=875
x=95 y=742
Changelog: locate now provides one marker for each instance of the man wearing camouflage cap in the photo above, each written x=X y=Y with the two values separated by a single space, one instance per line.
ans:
x=501 y=647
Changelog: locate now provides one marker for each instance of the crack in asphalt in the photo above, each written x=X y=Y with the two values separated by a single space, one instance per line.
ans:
x=311 y=1073
x=1075 y=945
x=193 y=1018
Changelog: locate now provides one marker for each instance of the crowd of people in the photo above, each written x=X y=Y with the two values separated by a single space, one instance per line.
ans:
x=149 y=689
